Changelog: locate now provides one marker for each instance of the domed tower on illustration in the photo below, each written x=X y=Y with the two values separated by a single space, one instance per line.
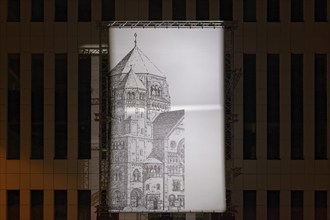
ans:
x=139 y=93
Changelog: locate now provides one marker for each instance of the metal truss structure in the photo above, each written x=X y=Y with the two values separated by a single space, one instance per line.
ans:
x=104 y=124
x=166 y=24
x=232 y=77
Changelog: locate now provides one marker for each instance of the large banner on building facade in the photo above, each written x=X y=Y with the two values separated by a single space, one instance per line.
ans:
x=167 y=127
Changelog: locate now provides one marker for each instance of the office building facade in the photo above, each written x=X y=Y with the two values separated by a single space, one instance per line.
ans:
x=279 y=160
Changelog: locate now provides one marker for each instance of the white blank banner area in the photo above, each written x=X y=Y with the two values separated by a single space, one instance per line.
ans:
x=168 y=128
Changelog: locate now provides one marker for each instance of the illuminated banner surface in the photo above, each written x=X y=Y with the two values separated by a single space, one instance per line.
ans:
x=167 y=128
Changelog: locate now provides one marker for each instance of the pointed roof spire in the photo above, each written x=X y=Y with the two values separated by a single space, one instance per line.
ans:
x=131 y=81
x=135 y=35
x=141 y=63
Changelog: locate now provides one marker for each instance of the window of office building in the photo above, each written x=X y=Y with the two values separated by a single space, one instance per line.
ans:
x=37 y=205
x=249 y=107
x=84 y=10
x=13 y=203
x=320 y=87
x=178 y=9
x=37 y=106
x=273 y=107
x=13 y=129
x=37 y=10
x=108 y=10
x=84 y=106
x=320 y=205
x=84 y=204
x=61 y=106
x=60 y=204
x=226 y=10
x=297 y=204
x=249 y=10
x=249 y=205
x=297 y=10
x=273 y=205
x=61 y=10
x=273 y=10
x=13 y=10
x=320 y=10
x=155 y=9
x=202 y=9
x=297 y=127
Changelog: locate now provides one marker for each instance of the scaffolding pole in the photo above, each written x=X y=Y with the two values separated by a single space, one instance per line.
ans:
x=104 y=124
x=232 y=76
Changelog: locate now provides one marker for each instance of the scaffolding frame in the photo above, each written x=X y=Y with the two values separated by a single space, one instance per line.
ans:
x=231 y=78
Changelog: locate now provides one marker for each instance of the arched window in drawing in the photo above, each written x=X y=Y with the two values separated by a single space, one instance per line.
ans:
x=173 y=145
x=141 y=96
x=152 y=90
x=116 y=199
x=155 y=90
x=136 y=175
x=171 y=200
x=117 y=174
x=131 y=95
x=159 y=91
x=176 y=185
x=158 y=186
x=147 y=187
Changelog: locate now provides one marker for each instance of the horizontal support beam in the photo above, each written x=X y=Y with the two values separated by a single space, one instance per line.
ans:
x=170 y=24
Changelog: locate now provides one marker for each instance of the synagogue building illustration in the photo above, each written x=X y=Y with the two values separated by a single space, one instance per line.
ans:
x=147 y=139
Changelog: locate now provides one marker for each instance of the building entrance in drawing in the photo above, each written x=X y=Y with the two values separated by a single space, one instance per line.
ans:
x=147 y=138
x=153 y=202
x=136 y=196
